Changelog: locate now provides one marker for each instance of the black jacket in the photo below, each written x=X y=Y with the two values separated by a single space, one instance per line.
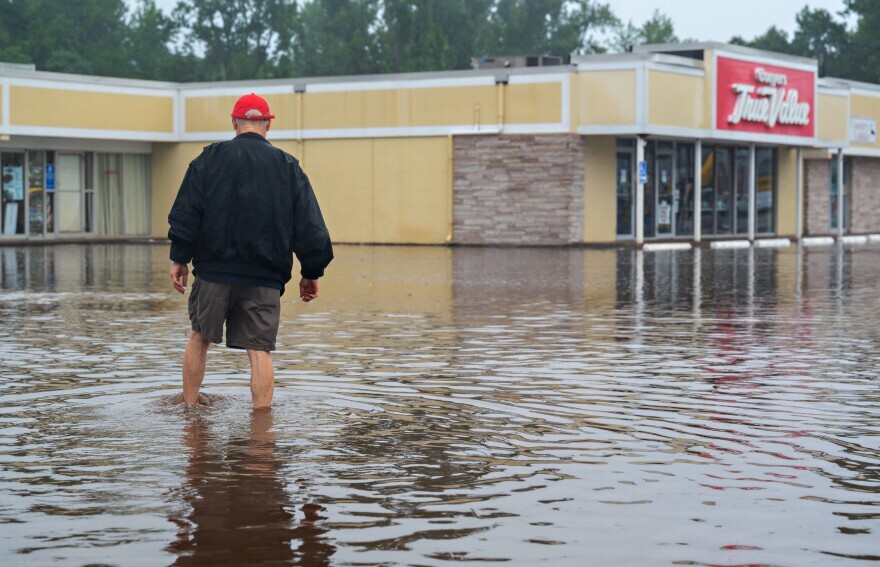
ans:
x=244 y=206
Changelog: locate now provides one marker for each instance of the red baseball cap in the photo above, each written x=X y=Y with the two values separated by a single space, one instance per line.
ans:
x=251 y=102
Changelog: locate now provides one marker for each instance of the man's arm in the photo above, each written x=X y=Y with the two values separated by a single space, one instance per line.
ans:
x=311 y=240
x=185 y=221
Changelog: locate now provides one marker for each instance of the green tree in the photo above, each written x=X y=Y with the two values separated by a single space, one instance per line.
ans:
x=819 y=36
x=658 y=29
x=151 y=35
x=239 y=38
x=422 y=35
x=335 y=37
x=774 y=39
x=862 y=56
x=557 y=27
x=85 y=36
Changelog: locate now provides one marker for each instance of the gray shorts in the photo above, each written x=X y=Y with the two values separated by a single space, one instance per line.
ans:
x=251 y=314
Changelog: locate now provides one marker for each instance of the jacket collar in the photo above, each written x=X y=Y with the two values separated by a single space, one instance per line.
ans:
x=252 y=136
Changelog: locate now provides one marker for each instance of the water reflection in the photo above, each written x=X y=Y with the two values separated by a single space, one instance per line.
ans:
x=239 y=512
x=571 y=406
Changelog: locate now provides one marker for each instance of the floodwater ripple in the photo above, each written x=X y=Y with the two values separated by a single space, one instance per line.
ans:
x=442 y=405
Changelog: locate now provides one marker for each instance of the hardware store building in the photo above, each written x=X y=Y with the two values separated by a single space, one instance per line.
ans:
x=690 y=142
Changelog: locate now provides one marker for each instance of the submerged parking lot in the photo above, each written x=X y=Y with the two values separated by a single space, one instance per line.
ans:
x=435 y=405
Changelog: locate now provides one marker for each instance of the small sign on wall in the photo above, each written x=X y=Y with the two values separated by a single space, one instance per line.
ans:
x=863 y=130
x=643 y=171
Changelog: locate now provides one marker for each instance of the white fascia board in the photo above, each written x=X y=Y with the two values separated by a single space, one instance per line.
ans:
x=159 y=91
x=92 y=133
x=766 y=61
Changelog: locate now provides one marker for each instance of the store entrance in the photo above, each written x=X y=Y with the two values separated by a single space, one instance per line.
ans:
x=669 y=191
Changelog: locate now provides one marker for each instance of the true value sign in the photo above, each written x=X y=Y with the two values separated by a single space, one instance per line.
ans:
x=768 y=99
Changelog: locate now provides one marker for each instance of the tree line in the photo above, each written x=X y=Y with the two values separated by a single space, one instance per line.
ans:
x=209 y=40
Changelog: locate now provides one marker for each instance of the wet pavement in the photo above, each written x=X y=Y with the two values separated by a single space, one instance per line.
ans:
x=435 y=405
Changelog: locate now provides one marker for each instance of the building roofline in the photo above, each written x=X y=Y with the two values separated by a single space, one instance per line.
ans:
x=605 y=58
x=727 y=47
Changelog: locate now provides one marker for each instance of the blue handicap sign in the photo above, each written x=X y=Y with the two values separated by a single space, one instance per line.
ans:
x=50 y=177
x=643 y=171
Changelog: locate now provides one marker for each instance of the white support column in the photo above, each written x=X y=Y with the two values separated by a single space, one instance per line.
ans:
x=751 y=193
x=799 y=189
x=698 y=190
x=640 y=193
x=840 y=191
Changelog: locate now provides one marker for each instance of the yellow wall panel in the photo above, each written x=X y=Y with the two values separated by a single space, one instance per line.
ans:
x=833 y=117
x=535 y=103
x=411 y=199
x=862 y=106
x=607 y=97
x=34 y=106
x=169 y=163
x=341 y=172
x=786 y=196
x=675 y=99
x=452 y=106
x=212 y=113
x=600 y=197
x=441 y=106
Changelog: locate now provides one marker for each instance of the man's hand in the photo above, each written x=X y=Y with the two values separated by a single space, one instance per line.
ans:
x=179 y=275
x=308 y=289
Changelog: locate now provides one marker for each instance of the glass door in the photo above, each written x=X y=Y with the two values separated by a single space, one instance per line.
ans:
x=625 y=167
x=69 y=192
x=664 y=194
x=742 y=191
x=12 y=195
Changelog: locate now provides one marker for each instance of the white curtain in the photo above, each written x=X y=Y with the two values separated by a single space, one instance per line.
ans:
x=108 y=197
x=136 y=186
x=123 y=194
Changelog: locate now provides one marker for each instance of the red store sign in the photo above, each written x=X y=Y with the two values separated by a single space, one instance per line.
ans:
x=764 y=99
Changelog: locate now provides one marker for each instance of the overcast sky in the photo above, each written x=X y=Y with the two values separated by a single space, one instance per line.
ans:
x=706 y=20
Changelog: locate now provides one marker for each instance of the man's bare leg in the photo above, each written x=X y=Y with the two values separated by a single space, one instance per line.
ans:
x=194 y=359
x=262 y=378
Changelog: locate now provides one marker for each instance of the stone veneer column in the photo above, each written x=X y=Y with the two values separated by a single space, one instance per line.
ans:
x=864 y=205
x=817 y=196
x=519 y=189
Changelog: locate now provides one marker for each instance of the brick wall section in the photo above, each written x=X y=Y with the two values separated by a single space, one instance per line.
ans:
x=817 y=196
x=865 y=194
x=519 y=189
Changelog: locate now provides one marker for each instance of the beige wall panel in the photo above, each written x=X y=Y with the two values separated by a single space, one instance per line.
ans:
x=786 y=192
x=411 y=187
x=451 y=106
x=537 y=103
x=833 y=117
x=169 y=163
x=341 y=172
x=212 y=113
x=676 y=100
x=32 y=106
x=862 y=106
x=600 y=202
x=442 y=106
x=607 y=97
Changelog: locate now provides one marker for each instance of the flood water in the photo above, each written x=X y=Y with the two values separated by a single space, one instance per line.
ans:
x=436 y=405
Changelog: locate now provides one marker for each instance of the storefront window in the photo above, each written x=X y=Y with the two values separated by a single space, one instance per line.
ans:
x=724 y=204
x=625 y=166
x=765 y=190
x=707 y=191
x=12 y=195
x=684 y=190
x=650 y=194
x=741 y=197
x=36 y=193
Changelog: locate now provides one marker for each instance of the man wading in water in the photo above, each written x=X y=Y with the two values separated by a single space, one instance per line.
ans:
x=243 y=209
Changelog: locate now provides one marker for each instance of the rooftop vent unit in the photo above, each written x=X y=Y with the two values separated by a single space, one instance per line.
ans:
x=508 y=61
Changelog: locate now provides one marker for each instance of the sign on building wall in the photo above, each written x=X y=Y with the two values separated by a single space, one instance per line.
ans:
x=759 y=98
x=863 y=130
